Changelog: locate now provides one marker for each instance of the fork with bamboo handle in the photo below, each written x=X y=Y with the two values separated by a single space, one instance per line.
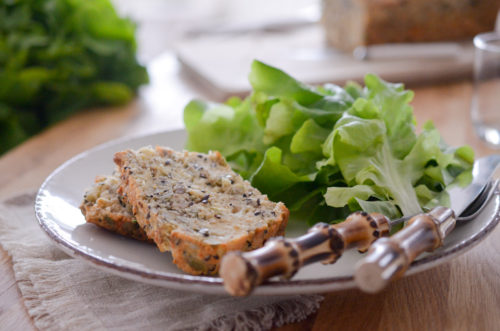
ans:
x=241 y=272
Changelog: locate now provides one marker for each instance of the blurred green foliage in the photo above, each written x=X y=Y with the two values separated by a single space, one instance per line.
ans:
x=60 y=56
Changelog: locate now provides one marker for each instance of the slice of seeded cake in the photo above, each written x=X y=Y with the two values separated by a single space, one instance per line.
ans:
x=195 y=206
x=104 y=207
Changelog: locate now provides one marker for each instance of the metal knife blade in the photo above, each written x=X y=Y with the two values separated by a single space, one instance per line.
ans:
x=482 y=172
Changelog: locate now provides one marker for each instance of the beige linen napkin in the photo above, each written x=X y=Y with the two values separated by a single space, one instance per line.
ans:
x=62 y=293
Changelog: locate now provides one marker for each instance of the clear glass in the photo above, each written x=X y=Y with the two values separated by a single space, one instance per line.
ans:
x=485 y=108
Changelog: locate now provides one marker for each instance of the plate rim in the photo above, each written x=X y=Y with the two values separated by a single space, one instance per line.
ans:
x=167 y=278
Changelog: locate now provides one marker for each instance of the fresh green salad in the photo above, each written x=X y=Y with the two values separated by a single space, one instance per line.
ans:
x=59 y=56
x=327 y=151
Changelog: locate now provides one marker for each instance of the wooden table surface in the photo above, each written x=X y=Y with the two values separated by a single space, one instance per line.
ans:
x=463 y=294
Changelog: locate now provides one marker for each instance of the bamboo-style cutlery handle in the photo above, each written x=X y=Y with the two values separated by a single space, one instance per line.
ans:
x=241 y=272
x=388 y=258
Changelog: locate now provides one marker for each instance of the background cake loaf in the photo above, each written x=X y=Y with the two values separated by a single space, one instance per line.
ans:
x=352 y=23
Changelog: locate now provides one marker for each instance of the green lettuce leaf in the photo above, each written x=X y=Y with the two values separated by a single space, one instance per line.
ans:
x=341 y=196
x=228 y=129
x=273 y=177
x=364 y=156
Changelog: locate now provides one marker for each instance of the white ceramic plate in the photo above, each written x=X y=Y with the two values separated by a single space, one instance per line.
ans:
x=57 y=209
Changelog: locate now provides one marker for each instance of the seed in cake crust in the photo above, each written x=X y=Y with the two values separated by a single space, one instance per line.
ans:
x=179 y=189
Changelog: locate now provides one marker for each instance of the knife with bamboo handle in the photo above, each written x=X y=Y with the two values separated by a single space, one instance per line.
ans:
x=389 y=258
x=242 y=272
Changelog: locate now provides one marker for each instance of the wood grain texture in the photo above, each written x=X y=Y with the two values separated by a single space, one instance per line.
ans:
x=463 y=294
